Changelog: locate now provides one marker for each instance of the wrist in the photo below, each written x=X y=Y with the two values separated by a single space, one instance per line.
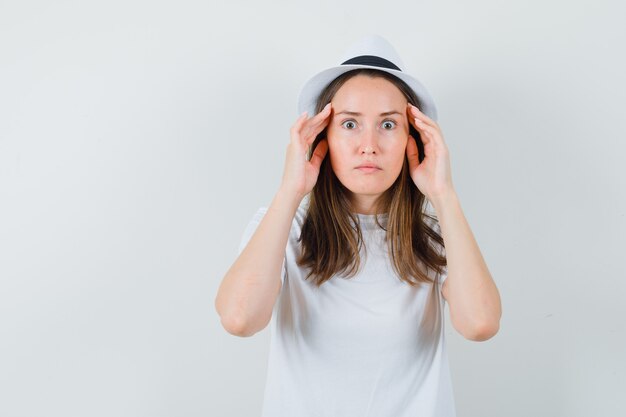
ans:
x=289 y=196
x=444 y=198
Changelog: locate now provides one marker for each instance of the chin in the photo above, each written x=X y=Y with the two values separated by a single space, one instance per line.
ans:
x=367 y=189
x=366 y=184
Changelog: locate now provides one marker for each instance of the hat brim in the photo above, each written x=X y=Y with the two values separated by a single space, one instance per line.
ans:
x=314 y=86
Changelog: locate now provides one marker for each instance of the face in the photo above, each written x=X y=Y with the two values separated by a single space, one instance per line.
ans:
x=368 y=126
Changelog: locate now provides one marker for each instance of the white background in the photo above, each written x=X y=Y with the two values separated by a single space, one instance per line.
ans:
x=138 y=138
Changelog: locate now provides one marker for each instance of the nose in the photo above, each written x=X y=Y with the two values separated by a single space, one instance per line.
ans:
x=369 y=143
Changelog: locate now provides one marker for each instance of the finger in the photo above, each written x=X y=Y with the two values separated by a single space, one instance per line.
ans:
x=424 y=130
x=324 y=112
x=415 y=121
x=315 y=125
x=319 y=119
x=415 y=112
x=295 y=128
x=412 y=153
x=294 y=131
x=418 y=123
x=429 y=134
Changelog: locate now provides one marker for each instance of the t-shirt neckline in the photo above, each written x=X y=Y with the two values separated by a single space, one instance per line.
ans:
x=368 y=221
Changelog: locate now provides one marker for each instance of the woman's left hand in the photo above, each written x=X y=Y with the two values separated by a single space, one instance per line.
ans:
x=432 y=176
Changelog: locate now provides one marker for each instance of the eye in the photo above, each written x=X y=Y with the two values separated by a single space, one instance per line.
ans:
x=345 y=124
x=389 y=122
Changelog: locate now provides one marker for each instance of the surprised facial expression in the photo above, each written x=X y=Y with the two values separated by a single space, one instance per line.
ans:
x=367 y=136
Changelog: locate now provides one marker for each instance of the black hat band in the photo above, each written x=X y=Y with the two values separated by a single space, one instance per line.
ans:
x=372 y=60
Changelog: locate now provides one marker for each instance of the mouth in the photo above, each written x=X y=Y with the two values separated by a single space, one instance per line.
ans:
x=368 y=168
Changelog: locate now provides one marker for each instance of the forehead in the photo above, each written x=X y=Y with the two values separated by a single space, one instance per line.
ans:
x=366 y=92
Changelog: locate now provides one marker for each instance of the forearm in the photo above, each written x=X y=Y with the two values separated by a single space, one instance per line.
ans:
x=249 y=289
x=474 y=300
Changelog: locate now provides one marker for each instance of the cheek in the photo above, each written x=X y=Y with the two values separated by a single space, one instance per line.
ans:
x=336 y=158
x=339 y=158
x=400 y=152
x=337 y=147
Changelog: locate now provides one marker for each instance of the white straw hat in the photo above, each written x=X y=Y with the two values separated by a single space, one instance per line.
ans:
x=374 y=52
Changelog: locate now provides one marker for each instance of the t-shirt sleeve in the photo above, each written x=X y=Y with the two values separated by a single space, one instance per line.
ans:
x=249 y=231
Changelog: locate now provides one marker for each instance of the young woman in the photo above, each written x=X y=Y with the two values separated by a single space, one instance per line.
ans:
x=350 y=261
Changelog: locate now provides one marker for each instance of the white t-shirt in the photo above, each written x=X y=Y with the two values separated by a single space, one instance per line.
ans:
x=367 y=346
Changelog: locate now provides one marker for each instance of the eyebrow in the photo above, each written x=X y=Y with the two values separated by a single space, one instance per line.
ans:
x=354 y=113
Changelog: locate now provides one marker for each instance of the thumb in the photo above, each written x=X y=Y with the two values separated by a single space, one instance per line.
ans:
x=412 y=153
x=320 y=152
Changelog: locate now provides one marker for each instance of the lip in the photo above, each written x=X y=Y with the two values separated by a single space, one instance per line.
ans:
x=367 y=168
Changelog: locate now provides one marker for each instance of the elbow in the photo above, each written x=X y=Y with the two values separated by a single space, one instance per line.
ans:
x=231 y=324
x=476 y=330
x=240 y=315
x=484 y=331
x=236 y=327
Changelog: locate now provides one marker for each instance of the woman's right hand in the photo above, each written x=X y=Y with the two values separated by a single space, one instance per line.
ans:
x=301 y=175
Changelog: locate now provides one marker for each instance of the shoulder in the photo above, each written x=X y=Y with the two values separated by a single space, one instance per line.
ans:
x=297 y=222
x=257 y=217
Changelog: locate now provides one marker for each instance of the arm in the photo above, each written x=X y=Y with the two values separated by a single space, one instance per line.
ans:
x=248 y=292
x=474 y=300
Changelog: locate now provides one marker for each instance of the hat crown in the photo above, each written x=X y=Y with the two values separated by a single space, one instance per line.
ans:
x=373 y=45
x=372 y=51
